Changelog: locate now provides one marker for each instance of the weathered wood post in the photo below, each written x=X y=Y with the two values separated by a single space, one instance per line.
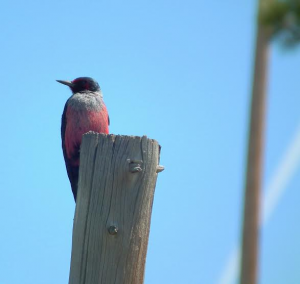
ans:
x=117 y=180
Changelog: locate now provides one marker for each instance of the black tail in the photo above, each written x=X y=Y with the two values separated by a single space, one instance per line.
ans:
x=73 y=176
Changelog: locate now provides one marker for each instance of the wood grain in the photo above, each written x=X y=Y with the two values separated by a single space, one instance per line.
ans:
x=111 y=194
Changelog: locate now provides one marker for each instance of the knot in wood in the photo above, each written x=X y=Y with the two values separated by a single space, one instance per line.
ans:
x=112 y=230
x=135 y=166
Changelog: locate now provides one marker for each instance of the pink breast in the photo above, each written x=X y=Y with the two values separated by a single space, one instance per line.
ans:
x=80 y=122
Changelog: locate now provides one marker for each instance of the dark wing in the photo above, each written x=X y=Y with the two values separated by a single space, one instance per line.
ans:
x=63 y=129
x=108 y=120
x=71 y=170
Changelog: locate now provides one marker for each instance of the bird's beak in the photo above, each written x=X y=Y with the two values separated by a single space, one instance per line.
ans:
x=68 y=83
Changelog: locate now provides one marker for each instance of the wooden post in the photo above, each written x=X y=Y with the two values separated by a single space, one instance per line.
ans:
x=117 y=180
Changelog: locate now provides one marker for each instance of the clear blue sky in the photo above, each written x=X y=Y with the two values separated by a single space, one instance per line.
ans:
x=176 y=71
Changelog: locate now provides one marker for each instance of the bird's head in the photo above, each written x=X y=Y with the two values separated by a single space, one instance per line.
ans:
x=81 y=84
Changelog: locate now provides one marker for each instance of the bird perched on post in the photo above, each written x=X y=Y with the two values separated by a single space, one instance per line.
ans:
x=84 y=111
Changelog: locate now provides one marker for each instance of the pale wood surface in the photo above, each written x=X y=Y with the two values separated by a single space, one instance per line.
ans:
x=112 y=191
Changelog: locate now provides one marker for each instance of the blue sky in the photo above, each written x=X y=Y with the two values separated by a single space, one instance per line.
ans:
x=176 y=71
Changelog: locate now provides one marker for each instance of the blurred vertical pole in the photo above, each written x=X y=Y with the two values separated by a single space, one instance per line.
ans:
x=254 y=171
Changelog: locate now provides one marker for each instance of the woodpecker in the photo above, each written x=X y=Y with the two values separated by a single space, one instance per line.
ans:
x=84 y=111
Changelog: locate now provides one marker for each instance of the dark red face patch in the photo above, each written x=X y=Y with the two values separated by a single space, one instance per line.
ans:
x=86 y=86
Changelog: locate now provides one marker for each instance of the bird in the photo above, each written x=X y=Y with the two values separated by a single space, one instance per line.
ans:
x=84 y=111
